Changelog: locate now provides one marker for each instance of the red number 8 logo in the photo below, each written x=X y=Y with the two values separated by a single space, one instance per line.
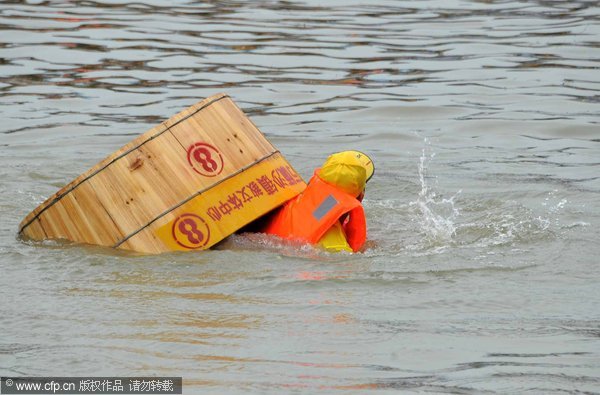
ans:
x=205 y=159
x=189 y=228
x=202 y=156
x=190 y=231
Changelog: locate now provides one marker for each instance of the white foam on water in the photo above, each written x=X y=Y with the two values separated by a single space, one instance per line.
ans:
x=264 y=242
x=480 y=223
x=437 y=215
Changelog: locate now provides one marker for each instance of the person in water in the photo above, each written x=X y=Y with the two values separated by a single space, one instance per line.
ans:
x=329 y=212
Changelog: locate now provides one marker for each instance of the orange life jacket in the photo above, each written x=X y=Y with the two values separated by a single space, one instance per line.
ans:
x=308 y=216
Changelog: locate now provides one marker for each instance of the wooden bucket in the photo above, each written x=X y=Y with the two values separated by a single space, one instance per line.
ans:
x=184 y=185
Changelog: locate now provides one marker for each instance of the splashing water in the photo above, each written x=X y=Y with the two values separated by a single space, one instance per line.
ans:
x=437 y=215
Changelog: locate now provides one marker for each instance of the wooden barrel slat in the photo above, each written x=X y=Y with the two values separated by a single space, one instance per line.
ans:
x=103 y=229
x=36 y=230
x=58 y=223
x=256 y=136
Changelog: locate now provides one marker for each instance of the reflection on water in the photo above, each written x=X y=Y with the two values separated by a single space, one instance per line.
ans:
x=482 y=119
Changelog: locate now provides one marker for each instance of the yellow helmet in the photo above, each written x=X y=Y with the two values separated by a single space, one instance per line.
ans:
x=348 y=170
x=366 y=162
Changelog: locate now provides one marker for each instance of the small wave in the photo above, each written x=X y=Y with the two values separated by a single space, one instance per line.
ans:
x=575 y=225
